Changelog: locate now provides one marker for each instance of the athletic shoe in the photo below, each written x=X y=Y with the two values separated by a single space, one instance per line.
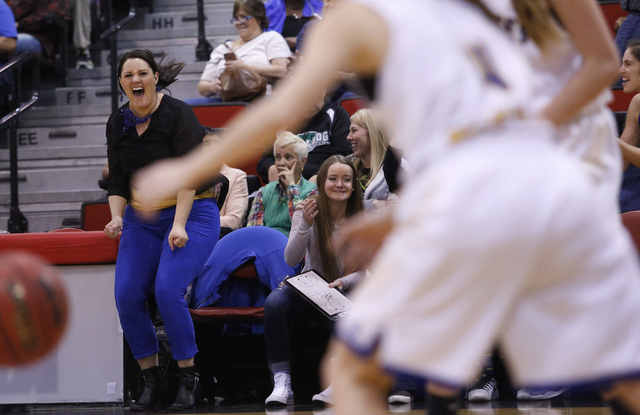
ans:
x=83 y=60
x=537 y=394
x=484 y=389
x=400 y=397
x=325 y=397
x=282 y=393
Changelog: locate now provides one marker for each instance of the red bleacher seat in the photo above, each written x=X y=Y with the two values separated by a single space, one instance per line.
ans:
x=620 y=101
x=94 y=215
x=218 y=115
x=353 y=104
x=631 y=221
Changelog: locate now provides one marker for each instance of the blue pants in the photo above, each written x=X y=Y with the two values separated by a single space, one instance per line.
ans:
x=282 y=308
x=145 y=261
x=27 y=42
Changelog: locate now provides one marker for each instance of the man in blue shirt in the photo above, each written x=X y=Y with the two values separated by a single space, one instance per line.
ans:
x=8 y=32
x=287 y=17
x=8 y=40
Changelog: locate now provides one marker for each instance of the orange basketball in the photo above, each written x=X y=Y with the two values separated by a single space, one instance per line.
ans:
x=33 y=308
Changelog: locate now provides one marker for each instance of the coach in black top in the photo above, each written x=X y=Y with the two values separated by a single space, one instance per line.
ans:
x=158 y=257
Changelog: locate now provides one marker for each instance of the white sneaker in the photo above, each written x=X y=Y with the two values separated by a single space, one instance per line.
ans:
x=400 y=397
x=324 y=397
x=538 y=394
x=484 y=390
x=282 y=393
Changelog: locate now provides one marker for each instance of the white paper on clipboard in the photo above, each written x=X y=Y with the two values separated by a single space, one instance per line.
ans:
x=332 y=302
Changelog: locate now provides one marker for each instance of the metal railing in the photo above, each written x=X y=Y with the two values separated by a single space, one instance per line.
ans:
x=204 y=48
x=13 y=71
x=111 y=34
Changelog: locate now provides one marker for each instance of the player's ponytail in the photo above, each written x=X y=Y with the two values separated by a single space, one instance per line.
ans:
x=538 y=22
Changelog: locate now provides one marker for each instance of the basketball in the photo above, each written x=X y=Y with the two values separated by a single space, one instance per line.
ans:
x=33 y=308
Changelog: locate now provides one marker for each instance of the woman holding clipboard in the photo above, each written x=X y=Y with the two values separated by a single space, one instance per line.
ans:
x=313 y=223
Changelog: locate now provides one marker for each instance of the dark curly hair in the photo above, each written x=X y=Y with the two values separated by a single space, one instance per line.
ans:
x=167 y=73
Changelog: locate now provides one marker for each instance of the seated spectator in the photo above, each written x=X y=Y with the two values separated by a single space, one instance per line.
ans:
x=233 y=207
x=325 y=135
x=344 y=88
x=8 y=33
x=370 y=147
x=8 y=36
x=266 y=52
x=35 y=23
x=374 y=160
x=82 y=33
x=629 y=198
x=274 y=204
x=314 y=222
x=629 y=27
x=288 y=17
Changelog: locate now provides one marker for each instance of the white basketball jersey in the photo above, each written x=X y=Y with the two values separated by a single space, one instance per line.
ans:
x=591 y=135
x=554 y=68
x=448 y=72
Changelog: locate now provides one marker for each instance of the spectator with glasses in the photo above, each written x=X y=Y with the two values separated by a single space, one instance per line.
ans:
x=266 y=52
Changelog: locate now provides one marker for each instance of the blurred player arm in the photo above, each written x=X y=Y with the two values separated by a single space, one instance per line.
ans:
x=590 y=35
x=352 y=39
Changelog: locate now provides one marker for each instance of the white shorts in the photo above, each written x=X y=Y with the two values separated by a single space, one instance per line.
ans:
x=501 y=243
x=593 y=138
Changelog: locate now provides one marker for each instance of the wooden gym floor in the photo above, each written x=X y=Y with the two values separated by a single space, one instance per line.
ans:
x=559 y=406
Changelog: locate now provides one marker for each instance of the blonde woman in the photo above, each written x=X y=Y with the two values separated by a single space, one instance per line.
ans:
x=274 y=204
x=370 y=146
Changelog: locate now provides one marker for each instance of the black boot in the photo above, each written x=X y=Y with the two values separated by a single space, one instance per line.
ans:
x=189 y=389
x=151 y=393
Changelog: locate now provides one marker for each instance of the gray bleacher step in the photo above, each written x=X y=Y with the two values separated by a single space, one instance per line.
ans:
x=185 y=87
x=88 y=95
x=48 y=156
x=56 y=179
x=68 y=136
x=180 y=52
x=27 y=165
x=39 y=201
x=157 y=4
x=67 y=112
x=63 y=116
x=101 y=76
x=63 y=122
x=43 y=217
x=45 y=221
x=160 y=6
x=182 y=32
x=218 y=15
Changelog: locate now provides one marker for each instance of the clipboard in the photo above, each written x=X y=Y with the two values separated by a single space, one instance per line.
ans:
x=331 y=302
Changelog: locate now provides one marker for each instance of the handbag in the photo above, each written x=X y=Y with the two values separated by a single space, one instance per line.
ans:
x=241 y=84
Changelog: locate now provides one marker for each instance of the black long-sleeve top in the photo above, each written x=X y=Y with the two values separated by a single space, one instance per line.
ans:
x=173 y=131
